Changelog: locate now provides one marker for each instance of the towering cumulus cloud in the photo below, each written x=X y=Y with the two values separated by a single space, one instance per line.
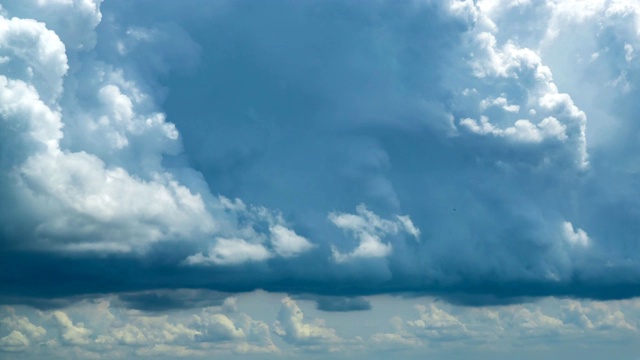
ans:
x=173 y=173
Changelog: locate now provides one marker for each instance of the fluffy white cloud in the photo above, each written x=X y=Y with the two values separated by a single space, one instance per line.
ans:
x=73 y=20
x=90 y=205
x=369 y=229
x=108 y=209
x=294 y=330
x=523 y=325
x=23 y=333
x=86 y=168
x=14 y=342
x=435 y=323
x=231 y=252
x=73 y=334
x=287 y=243
x=33 y=53
x=23 y=325
x=503 y=65
x=246 y=244
x=521 y=131
x=100 y=328
x=577 y=237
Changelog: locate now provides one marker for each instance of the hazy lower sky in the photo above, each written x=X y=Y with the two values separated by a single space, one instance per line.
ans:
x=320 y=179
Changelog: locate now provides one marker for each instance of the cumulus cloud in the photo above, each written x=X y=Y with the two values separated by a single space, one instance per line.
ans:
x=74 y=21
x=292 y=327
x=14 y=342
x=369 y=229
x=73 y=334
x=252 y=245
x=96 y=327
x=22 y=323
x=91 y=204
x=230 y=252
x=521 y=131
x=437 y=324
x=287 y=243
x=525 y=325
x=577 y=237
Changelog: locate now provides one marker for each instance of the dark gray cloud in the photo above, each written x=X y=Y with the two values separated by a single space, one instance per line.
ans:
x=167 y=300
x=337 y=303
x=342 y=304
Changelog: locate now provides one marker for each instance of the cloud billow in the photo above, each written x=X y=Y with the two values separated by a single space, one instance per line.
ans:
x=317 y=147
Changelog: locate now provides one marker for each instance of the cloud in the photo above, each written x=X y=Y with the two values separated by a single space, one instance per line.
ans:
x=521 y=131
x=342 y=304
x=74 y=21
x=530 y=325
x=14 y=342
x=73 y=334
x=231 y=252
x=32 y=51
x=287 y=243
x=576 y=237
x=22 y=325
x=96 y=327
x=278 y=241
x=369 y=228
x=437 y=324
x=87 y=198
x=416 y=326
x=166 y=300
x=293 y=329
x=225 y=147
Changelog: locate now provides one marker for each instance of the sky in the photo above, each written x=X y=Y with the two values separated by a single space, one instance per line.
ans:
x=314 y=179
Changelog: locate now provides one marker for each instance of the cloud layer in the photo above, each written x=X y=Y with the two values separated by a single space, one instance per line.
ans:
x=101 y=328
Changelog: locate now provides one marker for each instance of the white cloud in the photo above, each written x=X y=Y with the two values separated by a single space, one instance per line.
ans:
x=501 y=102
x=575 y=237
x=108 y=209
x=287 y=243
x=35 y=54
x=521 y=131
x=73 y=334
x=222 y=330
x=218 y=327
x=74 y=20
x=505 y=69
x=90 y=205
x=369 y=229
x=294 y=330
x=436 y=324
x=24 y=326
x=231 y=252
x=118 y=332
x=246 y=244
x=14 y=342
x=535 y=323
x=87 y=167
x=526 y=326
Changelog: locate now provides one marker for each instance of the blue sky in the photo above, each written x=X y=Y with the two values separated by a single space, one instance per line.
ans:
x=319 y=179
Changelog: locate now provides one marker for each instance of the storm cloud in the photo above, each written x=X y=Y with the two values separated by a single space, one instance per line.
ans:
x=471 y=151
